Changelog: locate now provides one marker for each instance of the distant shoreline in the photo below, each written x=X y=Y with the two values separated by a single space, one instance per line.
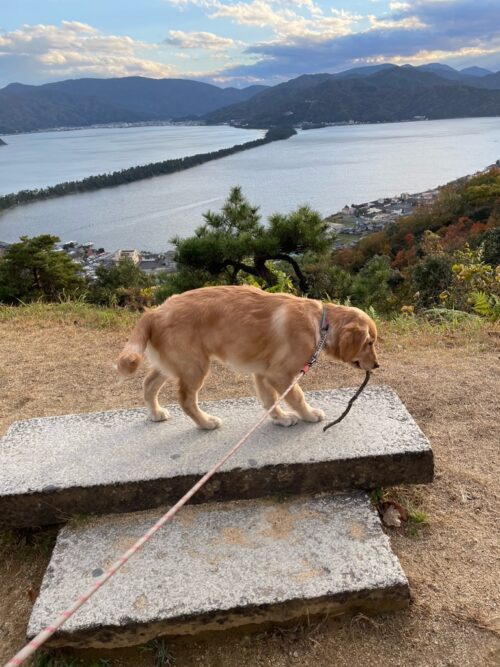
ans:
x=108 y=126
x=194 y=123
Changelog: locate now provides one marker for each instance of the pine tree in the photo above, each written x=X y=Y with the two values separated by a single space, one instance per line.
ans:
x=33 y=269
x=234 y=242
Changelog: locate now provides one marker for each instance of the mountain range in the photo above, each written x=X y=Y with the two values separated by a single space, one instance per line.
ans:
x=82 y=102
x=366 y=94
x=380 y=93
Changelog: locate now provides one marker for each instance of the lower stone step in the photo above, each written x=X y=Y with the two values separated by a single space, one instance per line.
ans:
x=118 y=461
x=219 y=566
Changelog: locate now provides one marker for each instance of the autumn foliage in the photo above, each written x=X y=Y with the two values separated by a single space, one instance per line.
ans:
x=442 y=253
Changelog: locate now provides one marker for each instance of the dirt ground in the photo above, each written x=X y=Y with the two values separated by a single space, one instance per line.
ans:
x=449 y=382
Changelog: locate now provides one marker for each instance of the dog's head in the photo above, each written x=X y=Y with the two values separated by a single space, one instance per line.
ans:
x=353 y=337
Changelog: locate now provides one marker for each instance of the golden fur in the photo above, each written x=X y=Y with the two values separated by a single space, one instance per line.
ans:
x=269 y=335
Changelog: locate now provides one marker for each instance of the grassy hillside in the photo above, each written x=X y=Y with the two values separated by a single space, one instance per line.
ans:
x=57 y=359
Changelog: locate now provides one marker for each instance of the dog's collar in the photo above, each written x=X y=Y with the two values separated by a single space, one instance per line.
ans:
x=324 y=324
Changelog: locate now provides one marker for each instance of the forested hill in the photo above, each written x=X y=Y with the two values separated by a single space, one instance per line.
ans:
x=82 y=102
x=445 y=255
x=379 y=94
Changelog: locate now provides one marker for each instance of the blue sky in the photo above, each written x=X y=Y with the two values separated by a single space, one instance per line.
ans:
x=239 y=42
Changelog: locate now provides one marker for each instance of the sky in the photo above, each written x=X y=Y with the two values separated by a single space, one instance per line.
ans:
x=239 y=42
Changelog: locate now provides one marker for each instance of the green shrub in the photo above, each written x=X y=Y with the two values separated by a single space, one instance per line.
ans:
x=491 y=246
x=431 y=277
x=176 y=283
x=371 y=285
x=487 y=305
x=123 y=284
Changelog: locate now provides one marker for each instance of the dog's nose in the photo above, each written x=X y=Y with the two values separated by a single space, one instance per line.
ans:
x=376 y=365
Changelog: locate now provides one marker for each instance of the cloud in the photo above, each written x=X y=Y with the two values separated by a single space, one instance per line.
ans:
x=406 y=23
x=418 y=32
x=199 y=40
x=293 y=37
x=395 y=6
x=286 y=19
x=74 y=49
x=257 y=13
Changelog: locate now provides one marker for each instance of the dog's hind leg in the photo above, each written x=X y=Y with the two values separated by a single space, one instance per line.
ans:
x=268 y=395
x=190 y=384
x=153 y=382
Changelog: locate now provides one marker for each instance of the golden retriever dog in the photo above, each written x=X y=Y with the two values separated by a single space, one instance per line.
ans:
x=271 y=336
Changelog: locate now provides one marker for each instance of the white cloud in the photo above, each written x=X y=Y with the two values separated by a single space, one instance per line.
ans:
x=431 y=56
x=74 y=48
x=307 y=4
x=199 y=40
x=407 y=23
x=292 y=37
x=417 y=32
x=257 y=13
x=287 y=19
x=398 y=6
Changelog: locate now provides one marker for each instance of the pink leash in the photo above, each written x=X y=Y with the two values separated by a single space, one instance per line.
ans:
x=47 y=632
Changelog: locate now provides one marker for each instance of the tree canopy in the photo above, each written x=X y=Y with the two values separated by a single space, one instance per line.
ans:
x=234 y=242
x=33 y=269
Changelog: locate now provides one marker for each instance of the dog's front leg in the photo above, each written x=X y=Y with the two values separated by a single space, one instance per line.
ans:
x=296 y=400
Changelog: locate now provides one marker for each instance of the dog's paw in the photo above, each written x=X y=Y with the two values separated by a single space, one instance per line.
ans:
x=211 y=423
x=160 y=416
x=315 y=415
x=286 y=419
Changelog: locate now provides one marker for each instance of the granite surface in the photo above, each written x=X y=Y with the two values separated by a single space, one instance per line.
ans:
x=53 y=468
x=220 y=565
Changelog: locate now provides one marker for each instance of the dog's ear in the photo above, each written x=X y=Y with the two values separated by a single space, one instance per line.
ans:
x=351 y=339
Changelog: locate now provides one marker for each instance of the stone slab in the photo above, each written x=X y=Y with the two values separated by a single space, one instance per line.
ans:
x=218 y=566
x=118 y=461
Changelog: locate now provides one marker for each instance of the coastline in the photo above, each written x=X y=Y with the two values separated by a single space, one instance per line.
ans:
x=351 y=224
x=354 y=222
x=327 y=169
x=107 y=126
x=305 y=126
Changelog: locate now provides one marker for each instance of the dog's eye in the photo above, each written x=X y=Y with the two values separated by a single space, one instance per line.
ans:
x=370 y=342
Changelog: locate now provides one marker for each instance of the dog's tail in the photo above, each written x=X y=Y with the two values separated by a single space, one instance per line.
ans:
x=132 y=354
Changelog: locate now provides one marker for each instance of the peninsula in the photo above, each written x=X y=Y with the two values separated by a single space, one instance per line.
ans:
x=131 y=174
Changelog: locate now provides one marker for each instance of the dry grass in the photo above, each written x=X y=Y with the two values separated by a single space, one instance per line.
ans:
x=59 y=360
